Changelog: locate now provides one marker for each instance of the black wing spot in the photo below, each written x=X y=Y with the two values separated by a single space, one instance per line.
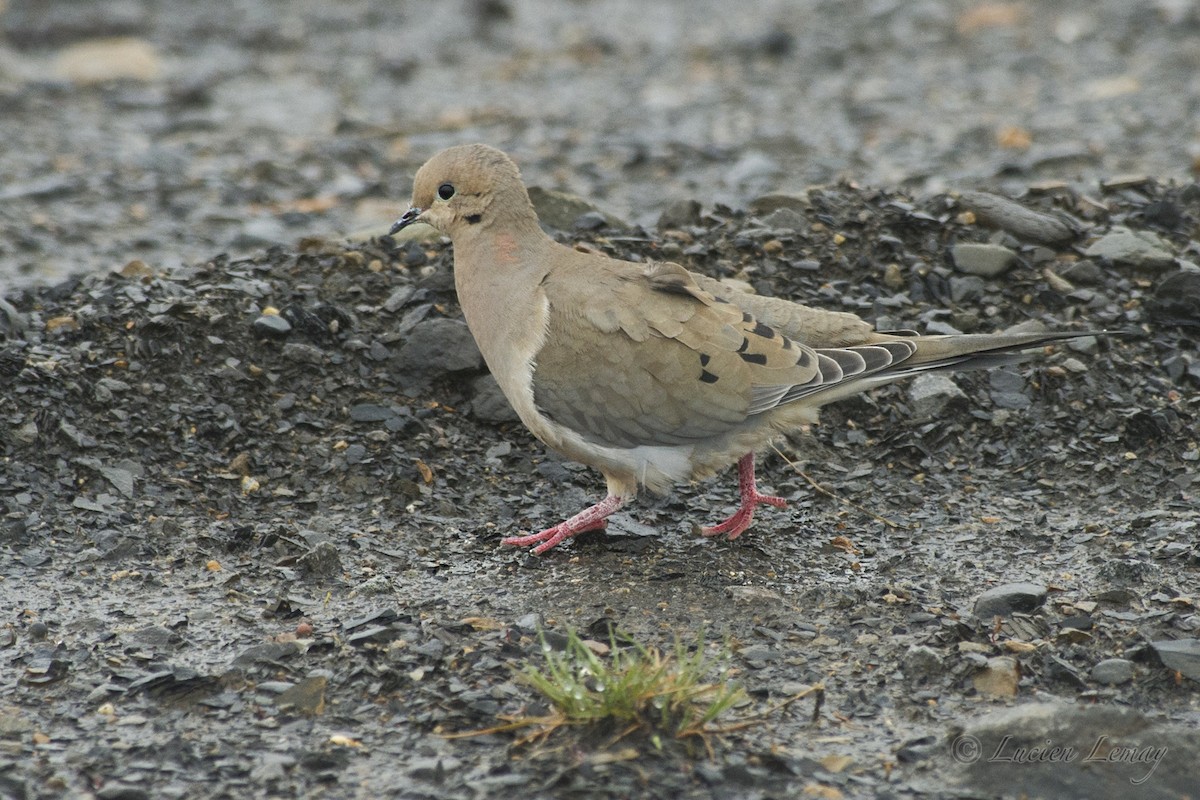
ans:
x=745 y=344
x=474 y=219
x=765 y=331
x=746 y=317
x=704 y=359
x=805 y=360
x=754 y=358
x=707 y=377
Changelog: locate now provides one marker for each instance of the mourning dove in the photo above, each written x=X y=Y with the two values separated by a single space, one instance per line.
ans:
x=647 y=372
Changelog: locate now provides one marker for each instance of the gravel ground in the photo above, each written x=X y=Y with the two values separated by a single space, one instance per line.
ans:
x=251 y=554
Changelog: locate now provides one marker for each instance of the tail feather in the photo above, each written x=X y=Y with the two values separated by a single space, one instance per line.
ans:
x=919 y=354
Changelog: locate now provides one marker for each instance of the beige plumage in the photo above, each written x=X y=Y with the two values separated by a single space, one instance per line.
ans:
x=649 y=373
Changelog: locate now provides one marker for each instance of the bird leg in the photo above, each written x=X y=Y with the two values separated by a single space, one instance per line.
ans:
x=744 y=516
x=590 y=519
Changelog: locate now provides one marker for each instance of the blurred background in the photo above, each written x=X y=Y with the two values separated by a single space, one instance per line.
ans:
x=170 y=131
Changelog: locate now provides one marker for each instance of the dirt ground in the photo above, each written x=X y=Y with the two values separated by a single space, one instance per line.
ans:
x=248 y=559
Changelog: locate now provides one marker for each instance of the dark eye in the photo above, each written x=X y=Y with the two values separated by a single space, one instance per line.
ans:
x=446 y=191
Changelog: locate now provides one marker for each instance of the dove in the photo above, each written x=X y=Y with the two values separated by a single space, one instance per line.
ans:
x=646 y=372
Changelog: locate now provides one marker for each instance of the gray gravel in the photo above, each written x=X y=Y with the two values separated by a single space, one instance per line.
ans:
x=252 y=484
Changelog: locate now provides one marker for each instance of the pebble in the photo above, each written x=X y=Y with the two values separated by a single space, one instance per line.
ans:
x=303 y=353
x=1022 y=222
x=1176 y=299
x=488 y=403
x=272 y=325
x=999 y=678
x=679 y=214
x=930 y=393
x=1180 y=655
x=763 y=206
x=104 y=60
x=1082 y=272
x=922 y=661
x=1010 y=597
x=1007 y=389
x=985 y=260
x=785 y=219
x=1122 y=246
x=1113 y=671
x=966 y=288
x=439 y=346
x=561 y=210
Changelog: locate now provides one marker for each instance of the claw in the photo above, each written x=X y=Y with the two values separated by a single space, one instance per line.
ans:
x=737 y=524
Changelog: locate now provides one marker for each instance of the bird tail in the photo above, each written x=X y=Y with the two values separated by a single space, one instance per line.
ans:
x=910 y=354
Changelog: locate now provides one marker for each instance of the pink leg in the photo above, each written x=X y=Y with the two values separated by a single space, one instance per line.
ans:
x=590 y=519
x=736 y=525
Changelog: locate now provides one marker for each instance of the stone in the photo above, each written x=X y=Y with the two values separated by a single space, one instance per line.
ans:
x=922 y=662
x=1142 y=249
x=1176 y=300
x=966 y=288
x=1003 y=600
x=1083 y=272
x=930 y=393
x=984 y=260
x=679 y=214
x=999 y=678
x=439 y=346
x=1024 y=223
x=99 y=61
x=1180 y=655
x=488 y=403
x=562 y=210
x=272 y=325
x=1113 y=671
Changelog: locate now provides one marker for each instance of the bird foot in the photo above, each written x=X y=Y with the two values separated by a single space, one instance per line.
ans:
x=590 y=519
x=741 y=520
x=737 y=524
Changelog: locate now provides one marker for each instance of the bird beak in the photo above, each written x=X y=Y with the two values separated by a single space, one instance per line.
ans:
x=407 y=219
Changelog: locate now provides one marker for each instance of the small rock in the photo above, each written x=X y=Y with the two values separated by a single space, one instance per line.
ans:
x=1000 y=678
x=488 y=403
x=753 y=595
x=966 y=288
x=1180 y=655
x=768 y=203
x=398 y=298
x=785 y=219
x=272 y=325
x=985 y=260
x=1176 y=299
x=921 y=661
x=589 y=221
x=1003 y=600
x=303 y=353
x=103 y=60
x=930 y=393
x=1007 y=389
x=1024 y=223
x=679 y=214
x=322 y=561
x=561 y=209
x=1083 y=273
x=370 y=412
x=438 y=346
x=1142 y=249
x=1113 y=671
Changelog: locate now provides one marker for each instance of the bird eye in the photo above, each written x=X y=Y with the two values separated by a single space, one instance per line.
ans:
x=446 y=191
